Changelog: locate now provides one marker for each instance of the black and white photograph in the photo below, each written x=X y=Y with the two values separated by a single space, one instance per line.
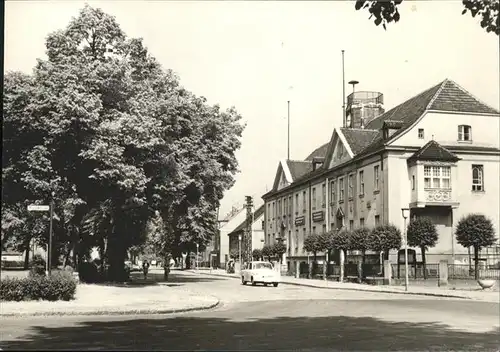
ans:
x=250 y=175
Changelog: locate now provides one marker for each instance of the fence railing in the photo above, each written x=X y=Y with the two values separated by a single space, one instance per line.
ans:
x=467 y=272
x=416 y=271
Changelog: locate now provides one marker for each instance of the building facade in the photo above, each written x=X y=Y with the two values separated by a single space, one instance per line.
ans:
x=437 y=154
x=257 y=232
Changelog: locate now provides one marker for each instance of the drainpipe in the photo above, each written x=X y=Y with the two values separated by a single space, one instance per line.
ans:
x=327 y=221
x=382 y=185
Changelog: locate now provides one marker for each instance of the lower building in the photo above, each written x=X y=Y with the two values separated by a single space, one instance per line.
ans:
x=237 y=236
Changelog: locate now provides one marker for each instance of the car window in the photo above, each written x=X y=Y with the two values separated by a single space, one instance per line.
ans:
x=262 y=266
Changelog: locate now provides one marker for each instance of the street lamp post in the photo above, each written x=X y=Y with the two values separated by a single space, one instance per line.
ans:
x=197 y=247
x=239 y=249
x=405 y=212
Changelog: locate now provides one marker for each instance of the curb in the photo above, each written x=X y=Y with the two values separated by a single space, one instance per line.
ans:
x=443 y=295
x=115 y=313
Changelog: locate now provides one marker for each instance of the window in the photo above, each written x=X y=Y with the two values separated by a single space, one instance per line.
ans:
x=375 y=177
x=332 y=190
x=263 y=225
x=269 y=211
x=361 y=183
x=290 y=205
x=377 y=220
x=351 y=224
x=296 y=203
x=285 y=206
x=296 y=240
x=464 y=133
x=304 y=201
x=314 y=230
x=362 y=222
x=413 y=182
x=314 y=198
x=437 y=177
x=420 y=133
x=279 y=208
x=350 y=181
x=341 y=189
x=323 y=194
x=324 y=228
x=477 y=178
x=274 y=209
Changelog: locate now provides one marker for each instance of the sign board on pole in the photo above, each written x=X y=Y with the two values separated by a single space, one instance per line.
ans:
x=35 y=207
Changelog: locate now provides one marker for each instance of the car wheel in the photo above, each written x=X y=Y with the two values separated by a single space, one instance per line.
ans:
x=275 y=284
x=253 y=282
x=243 y=282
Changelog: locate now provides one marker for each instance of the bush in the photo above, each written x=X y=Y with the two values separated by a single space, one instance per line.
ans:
x=58 y=287
x=37 y=266
x=88 y=273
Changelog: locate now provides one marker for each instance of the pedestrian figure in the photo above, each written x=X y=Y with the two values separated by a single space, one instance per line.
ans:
x=145 y=268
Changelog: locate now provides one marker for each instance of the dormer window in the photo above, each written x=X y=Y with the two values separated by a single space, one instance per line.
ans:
x=420 y=133
x=464 y=133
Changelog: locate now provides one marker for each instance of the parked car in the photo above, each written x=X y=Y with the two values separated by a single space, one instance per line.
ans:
x=132 y=267
x=260 y=272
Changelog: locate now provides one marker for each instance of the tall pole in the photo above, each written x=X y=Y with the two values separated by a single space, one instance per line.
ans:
x=406 y=256
x=49 y=259
x=343 y=92
x=288 y=153
x=196 y=262
x=239 y=249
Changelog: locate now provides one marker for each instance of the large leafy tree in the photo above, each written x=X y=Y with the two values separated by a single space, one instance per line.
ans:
x=111 y=137
x=359 y=241
x=422 y=233
x=386 y=11
x=476 y=231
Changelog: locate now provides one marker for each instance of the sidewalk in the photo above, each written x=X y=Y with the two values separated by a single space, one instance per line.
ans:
x=113 y=300
x=479 y=295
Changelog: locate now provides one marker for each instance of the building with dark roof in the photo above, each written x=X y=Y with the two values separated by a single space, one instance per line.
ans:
x=436 y=154
x=257 y=228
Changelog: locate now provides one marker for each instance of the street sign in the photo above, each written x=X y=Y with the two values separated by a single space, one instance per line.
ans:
x=35 y=207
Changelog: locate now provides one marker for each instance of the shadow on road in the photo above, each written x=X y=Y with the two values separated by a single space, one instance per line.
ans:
x=283 y=333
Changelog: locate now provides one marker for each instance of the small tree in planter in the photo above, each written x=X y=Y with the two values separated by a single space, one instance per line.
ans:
x=267 y=252
x=422 y=233
x=278 y=249
x=475 y=230
x=359 y=241
x=341 y=240
x=311 y=245
x=384 y=238
x=257 y=254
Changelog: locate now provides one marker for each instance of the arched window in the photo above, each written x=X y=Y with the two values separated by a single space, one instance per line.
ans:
x=477 y=178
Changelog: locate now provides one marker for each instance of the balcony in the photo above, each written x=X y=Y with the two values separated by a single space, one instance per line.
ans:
x=433 y=197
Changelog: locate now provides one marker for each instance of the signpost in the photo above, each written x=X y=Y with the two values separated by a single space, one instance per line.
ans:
x=50 y=209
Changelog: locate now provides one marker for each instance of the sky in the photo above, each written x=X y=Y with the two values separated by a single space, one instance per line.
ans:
x=256 y=56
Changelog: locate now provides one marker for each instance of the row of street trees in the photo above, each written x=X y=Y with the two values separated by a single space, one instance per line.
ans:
x=119 y=145
x=473 y=230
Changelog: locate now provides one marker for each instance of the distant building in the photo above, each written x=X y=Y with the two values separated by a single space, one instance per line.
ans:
x=437 y=154
x=257 y=232
x=227 y=225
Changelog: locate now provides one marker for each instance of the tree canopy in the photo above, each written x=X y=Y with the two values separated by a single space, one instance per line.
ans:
x=113 y=138
x=386 y=11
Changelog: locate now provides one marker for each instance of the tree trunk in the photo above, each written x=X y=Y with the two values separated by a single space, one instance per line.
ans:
x=27 y=255
x=188 y=260
x=66 y=256
x=363 y=260
x=476 y=262
x=422 y=249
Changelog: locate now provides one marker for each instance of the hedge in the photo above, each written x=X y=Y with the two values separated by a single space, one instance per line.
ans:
x=59 y=287
x=8 y=264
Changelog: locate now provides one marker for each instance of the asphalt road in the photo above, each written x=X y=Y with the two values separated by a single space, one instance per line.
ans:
x=268 y=318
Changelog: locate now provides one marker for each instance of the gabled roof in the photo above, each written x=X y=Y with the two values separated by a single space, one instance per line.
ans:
x=452 y=97
x=256 y=215
x=299 y=168
x=433 y=151
x=358 y=139
x=319 y=152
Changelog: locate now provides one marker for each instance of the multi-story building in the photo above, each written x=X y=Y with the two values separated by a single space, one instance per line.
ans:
x=436 y=153
x=257 y=232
